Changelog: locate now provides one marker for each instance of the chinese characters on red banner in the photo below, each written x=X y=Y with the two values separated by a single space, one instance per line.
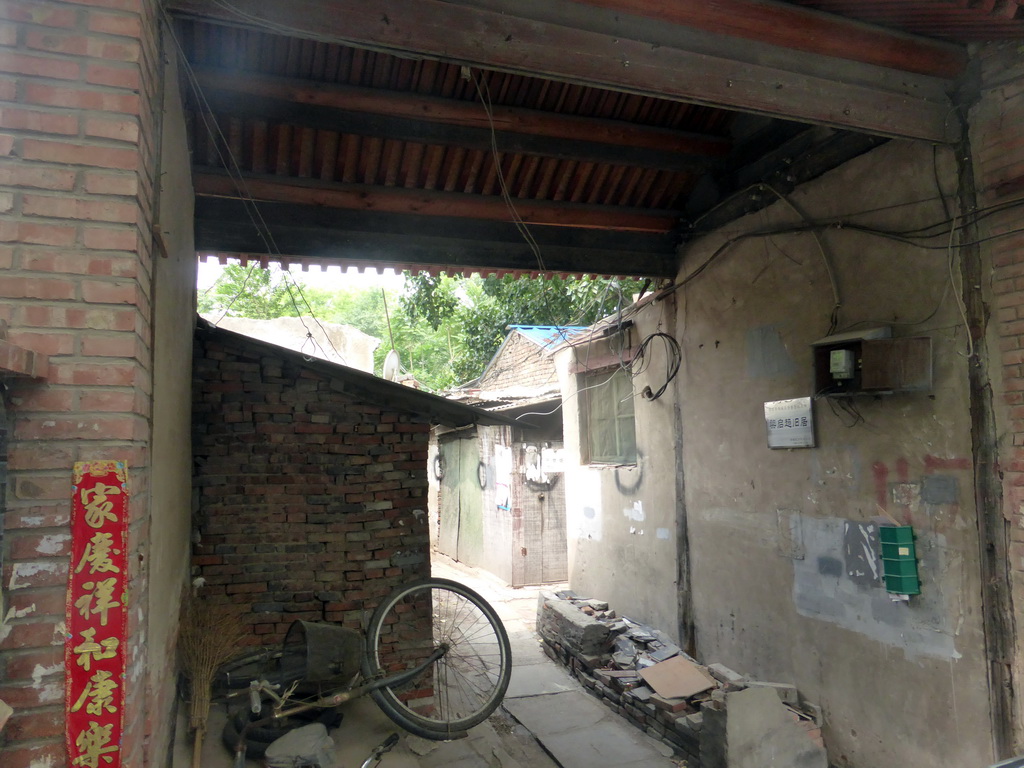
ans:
x=94 y=653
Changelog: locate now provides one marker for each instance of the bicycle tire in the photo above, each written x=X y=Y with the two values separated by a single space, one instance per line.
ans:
x=254 y=747
x=463 y=687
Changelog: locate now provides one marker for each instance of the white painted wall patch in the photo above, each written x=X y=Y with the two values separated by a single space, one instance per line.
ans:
x=636 y=512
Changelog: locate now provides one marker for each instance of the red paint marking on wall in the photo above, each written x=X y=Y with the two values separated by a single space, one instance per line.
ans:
x=903 y=470
x=881 y=473
x=933 y=463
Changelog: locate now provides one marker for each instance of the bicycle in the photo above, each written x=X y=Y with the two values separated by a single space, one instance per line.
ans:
x=435 y=658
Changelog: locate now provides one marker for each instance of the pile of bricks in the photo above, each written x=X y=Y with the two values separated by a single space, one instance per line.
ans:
x=608 y=653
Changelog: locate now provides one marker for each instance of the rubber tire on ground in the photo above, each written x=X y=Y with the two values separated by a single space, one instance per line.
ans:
x=390 y=704
x=253 y=747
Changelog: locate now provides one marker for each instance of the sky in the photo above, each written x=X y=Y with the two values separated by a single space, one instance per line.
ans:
x=329 y=279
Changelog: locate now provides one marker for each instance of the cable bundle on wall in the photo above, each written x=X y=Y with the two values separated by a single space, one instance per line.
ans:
x=641 y=362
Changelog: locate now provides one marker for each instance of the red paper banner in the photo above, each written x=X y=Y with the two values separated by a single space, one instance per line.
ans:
x=97 y=617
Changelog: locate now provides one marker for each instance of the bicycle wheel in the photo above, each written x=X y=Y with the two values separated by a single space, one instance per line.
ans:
x=458 y=690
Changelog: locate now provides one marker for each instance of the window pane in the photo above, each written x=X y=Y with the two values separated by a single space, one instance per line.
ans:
x=610 y=421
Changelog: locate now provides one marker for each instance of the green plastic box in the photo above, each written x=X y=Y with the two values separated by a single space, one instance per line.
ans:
x=899 y=559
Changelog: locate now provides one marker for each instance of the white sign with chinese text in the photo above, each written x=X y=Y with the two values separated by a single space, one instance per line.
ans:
x=790 y=423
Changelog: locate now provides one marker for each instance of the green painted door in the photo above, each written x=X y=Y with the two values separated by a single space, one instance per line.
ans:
x=461 y=534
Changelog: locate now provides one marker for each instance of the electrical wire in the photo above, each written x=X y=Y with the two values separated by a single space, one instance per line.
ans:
x=961 y=307
x=640 y=362
x=485 y=99
x=845 y=225
x=837 y=302
x=848 y=408
x=924 y=237
x=561 y=403
x=223 y=150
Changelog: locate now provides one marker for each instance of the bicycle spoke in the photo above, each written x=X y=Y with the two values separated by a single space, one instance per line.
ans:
x=465 y=685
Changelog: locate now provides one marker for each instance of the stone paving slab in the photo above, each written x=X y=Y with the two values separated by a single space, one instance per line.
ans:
x=580 y=732
x=537 y=679
x=526 y=648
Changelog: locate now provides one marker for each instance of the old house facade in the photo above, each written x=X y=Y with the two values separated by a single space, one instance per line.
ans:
x=895 y=139
x=501 y=497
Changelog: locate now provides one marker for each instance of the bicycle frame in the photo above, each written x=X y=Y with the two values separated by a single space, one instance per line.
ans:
x=456 y=687
x=258 y=687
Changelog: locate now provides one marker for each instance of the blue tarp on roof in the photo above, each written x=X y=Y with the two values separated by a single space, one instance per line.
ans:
x=546 y=336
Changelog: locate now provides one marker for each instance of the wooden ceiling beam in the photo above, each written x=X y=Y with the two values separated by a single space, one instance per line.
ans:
x=803 y=29
x=357 y=197
x=577 y=43
x=321 y=236
x=239 y=89
x=226 y=103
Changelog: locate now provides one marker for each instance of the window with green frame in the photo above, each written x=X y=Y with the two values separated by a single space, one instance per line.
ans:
x=607 y=419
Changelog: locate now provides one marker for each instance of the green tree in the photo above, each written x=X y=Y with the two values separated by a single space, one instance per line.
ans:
x=262 y=294
x=476 y=312
x=445 y=329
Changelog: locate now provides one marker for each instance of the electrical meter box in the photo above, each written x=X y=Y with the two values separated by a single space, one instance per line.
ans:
x=871 y=362
x=840 y=363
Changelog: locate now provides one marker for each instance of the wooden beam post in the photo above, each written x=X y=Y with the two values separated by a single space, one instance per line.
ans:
x=611 y=52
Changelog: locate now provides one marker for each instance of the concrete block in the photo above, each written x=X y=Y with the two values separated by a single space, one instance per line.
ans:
x=725 y=675
x=559 y=621
x=544 y=596
x=690 y=725
x=655 y=730
x=787 y=693
x=607 y=693
x=814 y=711
x=591 y=660
x=752 y=728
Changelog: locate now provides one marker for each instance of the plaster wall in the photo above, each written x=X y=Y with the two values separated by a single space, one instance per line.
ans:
x=173 y=319
x=785 y=577
x=621 y=520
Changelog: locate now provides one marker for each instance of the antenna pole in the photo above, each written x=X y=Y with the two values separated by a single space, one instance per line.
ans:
x=388 y=316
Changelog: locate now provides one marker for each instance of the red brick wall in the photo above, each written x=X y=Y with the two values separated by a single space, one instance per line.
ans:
x=78 y=133
x=312 y=504
x=997 y=142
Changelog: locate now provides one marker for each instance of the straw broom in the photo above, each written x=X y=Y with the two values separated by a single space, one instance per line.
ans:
x=209 y=635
